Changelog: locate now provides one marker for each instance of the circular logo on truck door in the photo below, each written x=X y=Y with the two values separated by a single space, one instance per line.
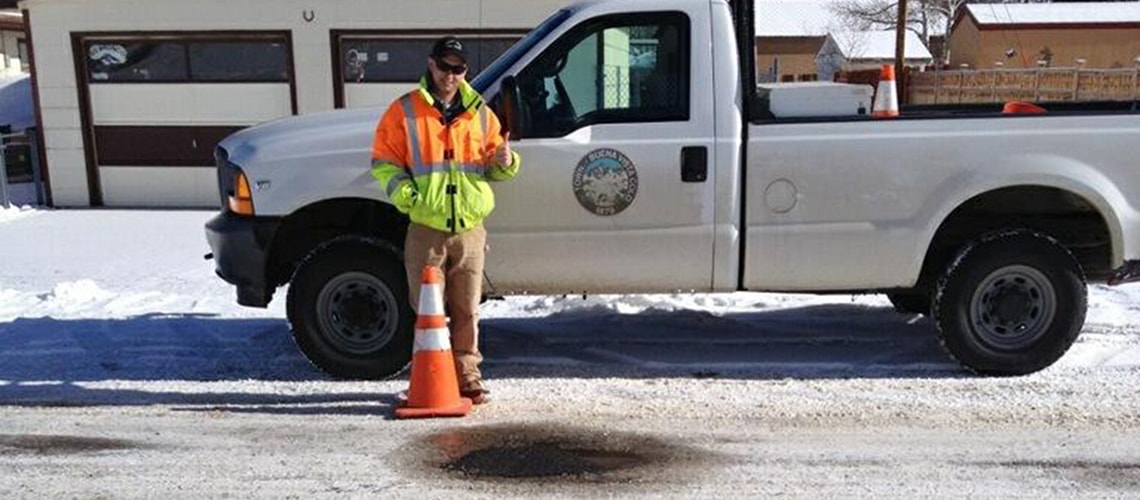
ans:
x=605 y=182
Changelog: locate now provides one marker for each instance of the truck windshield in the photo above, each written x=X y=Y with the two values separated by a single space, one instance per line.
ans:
x=496 y=69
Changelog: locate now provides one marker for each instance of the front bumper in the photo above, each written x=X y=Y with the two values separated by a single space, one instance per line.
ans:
x=241 y=249
x=1127 y=273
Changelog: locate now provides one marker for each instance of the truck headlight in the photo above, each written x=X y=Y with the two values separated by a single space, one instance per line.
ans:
x=241 y=200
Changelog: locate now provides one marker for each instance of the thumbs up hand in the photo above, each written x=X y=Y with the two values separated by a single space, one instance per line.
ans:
x=503 y=152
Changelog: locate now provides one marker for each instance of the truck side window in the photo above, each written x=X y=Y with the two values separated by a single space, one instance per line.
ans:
x=613 y=69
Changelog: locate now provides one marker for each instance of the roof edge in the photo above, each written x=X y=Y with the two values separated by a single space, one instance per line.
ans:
x=1058 y=26
x=962 y=13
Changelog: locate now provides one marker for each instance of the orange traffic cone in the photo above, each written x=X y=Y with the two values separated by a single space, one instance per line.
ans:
x=887 y=96
x=434 y=387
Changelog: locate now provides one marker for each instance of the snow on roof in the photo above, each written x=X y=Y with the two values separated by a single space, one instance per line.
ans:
x=1056 y=13
x=878 y=45
x=795 y=18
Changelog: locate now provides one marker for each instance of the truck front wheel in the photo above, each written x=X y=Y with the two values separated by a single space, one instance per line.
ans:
x=1011 y=303
x=348 y=309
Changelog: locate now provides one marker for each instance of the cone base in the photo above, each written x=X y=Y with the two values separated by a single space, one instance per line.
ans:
x=460 y=409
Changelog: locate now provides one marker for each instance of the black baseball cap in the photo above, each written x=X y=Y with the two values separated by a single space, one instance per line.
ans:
x=448 y=45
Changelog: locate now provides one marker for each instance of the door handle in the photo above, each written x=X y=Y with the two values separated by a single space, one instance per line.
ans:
x=694 y=164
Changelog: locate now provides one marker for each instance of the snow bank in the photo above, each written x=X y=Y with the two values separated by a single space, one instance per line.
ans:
x=15 y=212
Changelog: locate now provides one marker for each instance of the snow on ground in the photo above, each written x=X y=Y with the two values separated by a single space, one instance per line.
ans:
x=106 y=294
x=16 y=211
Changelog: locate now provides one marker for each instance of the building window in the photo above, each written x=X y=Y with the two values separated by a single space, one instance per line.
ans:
x=137 y=62
x=809 y=77
x=239 y=61
x=22 y=49
x=391 y=59
x=187 y=61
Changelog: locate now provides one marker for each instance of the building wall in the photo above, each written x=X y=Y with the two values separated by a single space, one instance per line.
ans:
x=1100 y=47
x=787 y=58
x=792 y=67
x=309 y=22
x=964 y=44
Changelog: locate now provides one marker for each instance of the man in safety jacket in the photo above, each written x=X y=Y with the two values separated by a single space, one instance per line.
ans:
x=434 y=152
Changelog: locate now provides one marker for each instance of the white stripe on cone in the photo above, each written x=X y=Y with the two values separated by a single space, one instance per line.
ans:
x=886 y=100
x=431 y=300
x=432 y=339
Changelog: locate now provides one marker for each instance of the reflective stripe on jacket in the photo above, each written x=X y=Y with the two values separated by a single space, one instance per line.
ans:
x=437 y=173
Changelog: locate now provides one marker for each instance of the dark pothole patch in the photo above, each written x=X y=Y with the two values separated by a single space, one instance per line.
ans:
x=59 y=445
x=552 y=454
x=543 y=460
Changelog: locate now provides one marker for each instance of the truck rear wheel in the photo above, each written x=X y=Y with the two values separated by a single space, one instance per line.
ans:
x=1011 y=303
x=348 y=309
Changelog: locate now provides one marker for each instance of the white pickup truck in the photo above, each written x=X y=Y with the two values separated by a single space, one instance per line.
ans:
x=651 y=163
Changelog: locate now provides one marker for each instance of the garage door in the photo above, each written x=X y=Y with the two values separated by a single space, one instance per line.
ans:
x=154 y=106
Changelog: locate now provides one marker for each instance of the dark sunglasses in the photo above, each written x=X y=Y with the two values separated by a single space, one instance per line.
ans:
x=456 y=69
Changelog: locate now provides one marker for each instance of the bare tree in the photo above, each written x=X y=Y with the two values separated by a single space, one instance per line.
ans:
x=865 y=15
x=924 y=17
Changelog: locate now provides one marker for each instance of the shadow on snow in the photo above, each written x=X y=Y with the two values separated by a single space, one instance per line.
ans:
x=43 y=359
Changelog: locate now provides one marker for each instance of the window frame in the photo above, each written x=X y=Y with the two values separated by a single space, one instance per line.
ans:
x=590 y=27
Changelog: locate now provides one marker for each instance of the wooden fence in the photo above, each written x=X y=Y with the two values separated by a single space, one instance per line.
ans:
x=1040 y=85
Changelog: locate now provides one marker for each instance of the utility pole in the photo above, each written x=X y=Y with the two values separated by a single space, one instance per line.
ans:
x=900 y=47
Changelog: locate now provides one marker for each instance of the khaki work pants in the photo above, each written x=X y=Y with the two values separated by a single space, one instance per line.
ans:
x=460 y=256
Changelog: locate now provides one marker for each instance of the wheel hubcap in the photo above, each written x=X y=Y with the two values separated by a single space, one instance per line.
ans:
x=1013 y=307
x=357 y=313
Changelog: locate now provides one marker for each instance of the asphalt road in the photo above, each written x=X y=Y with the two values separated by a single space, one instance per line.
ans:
x=293 y=452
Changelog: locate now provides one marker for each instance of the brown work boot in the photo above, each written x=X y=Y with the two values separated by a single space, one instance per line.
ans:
x=476 y=393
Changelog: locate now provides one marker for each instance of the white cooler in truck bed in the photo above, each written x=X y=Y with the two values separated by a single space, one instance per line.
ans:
x=809 y=99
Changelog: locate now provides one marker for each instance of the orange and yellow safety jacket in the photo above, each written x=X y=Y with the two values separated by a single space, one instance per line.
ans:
x=437 y=172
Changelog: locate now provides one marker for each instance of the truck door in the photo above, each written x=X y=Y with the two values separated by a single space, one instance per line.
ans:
x=616 y=187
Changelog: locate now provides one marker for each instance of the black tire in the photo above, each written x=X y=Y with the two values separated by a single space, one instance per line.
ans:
x=348 y=309
x=1011 y=303
x=910 y=302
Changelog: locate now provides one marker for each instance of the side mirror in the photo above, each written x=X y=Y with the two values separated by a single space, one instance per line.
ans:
x=510 y=103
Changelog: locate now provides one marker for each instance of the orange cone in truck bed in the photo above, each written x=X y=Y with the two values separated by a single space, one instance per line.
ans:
x=1021 y=108
x=887 y=96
